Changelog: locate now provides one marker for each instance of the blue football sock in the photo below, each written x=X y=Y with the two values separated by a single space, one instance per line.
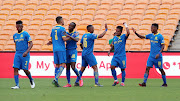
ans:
x=164 y=78
x=76 y=72
x=145 y=77
x=56 y=69
x=16 y=78
x=96 y=76
x=123 y=76
x=30 y=77
x=59 y=72
x=79 y=78
x=114 y=74
x=68 y=76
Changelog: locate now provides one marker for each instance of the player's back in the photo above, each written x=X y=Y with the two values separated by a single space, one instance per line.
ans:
x=119 y=43
x=21 y=39
x=88 y=43
x=56 y=34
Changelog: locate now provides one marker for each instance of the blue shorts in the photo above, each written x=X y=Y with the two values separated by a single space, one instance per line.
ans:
x=59 y=57
x=89 y=59
x=71 y=55
x=119 y=62
x=21 y=62
x=156 y=62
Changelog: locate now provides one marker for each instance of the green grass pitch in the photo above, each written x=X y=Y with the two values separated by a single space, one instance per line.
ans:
x=45 y=91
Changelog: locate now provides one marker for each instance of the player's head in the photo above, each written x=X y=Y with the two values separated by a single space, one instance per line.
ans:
x=90 y=28
x=154 y=27
x=71 y=27
x=59 y=20
x=114 y=34
x=119 y=30
x=19 y=25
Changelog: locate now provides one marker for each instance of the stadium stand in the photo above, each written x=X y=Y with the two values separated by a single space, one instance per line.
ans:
x=39 y=17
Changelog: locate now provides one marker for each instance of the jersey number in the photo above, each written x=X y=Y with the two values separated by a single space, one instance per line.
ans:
x=56 y=37
x=85 y=42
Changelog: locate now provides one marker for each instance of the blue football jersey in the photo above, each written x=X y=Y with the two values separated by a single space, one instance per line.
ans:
x=56 y=34
x=88 y=43
x=156 y=43
x=71 y=44
x=21 y=40
x=119 y=43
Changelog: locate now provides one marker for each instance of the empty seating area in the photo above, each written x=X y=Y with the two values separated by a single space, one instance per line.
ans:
x=39 y=16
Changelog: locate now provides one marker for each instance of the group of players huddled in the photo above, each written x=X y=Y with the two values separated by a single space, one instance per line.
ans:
x=66 y=55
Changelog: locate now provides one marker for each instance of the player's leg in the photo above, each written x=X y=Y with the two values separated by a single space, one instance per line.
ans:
x=16 y=66
x=68 y=74
x=91 y=60
x=56 y=62
x=113 y=71
x=123 y=66
x=30 y=78
x=158 y=64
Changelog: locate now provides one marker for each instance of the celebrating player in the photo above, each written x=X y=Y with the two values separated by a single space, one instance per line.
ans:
x=119 y=58
x=155 y=57
x=23 y=43
x=71 y=52
x=58 y=37
x=87 y=44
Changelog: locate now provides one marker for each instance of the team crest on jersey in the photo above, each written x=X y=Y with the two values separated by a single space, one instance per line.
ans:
x=21 y=35
x=156 y=38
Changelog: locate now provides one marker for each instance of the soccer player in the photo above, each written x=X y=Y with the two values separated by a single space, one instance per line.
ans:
x=87 y=45
x=155 y=57
x=58 y=37
x=119 y=58
x=71 y=52
x=23 y=43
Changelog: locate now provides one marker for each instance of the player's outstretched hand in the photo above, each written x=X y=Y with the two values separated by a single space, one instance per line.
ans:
x=106 y=26
x=133 y=30
x=25 y=54
x=109 y=53
x=157 y=56
x=49 y=43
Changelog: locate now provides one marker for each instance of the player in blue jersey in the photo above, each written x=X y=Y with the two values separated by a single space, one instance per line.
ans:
x=87 y=44
x=155 y=57
x=119 y=58
x=71 y=52
x=58 y=37
x=23 y=43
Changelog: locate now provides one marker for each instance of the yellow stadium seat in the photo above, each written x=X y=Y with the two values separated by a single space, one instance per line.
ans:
x=91 y=7
x=18 y=7
x=9 y=48
x=79 y=7
x=8 y=2
x=146 y=48
x=135 y=48
x=21 y=2
x=28 y=12
x=104 y=7
x=33 y=2
x=30 y=7
x=141 y=7
x=43 y=7
x=45 y=2
x=89 y=12
x=142 y=2
x=55 y=7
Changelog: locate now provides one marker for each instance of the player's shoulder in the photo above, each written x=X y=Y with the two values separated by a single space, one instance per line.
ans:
x=160 y=35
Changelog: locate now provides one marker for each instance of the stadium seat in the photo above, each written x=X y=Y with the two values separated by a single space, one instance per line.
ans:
x=21 y=2
x=87 y=17
x=151 y=12
x=67 y=7
x=165 y=7
x=16 y=12
x=101 y=12
x=129 y=7
x=18 y=7
x=55 y=7
x=33 y=2
x=146 y=48
x=172 y=22
x=57 y=2
x=53 y=12
x=157 y=2
x=9 y=2
x=136 y=17
x=9 y=48
x=142 y=2
x=173 y=17
x=6 y=8
x=100 y=17
x=167 y=2
x=94 y=2
x=79 y=7
x=161 y=17
x=30 y=7
x=126 y=12
x=85 y=22
x=153 y=7
x=176 y=6
x=174 y=11
x=25 y=17
x=98 y=47
x=4 y=37
x=77 y=12
x=69 y=2
x=104 y=7
x=43 y=7
x=47 y=48
x=8 y=28
x=160 y=22
x=89 y=12
x=91 y=7
x=163 y=12
x=141 y=7
x=135 y=48
x=45 y=2
x=50 y=17
x=28 y=12
x=176 y=2
x=43 y=32
x=10 y=22
x=118 y=2
x=116 y=7
x=138 y=12
x=138 y=42
x=134 y=22
x=146 y=22
x=81 y=2
x=148 y=17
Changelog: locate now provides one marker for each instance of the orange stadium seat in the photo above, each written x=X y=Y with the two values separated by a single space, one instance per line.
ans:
x=87 y=17
x=16 y=12
x=91 y=7
x=176 y=6
x=77 y=12
x=57 y=2
x=53 y=12
x=67 y=7
x=142 y=2
x=176 y=2
x=79 y=7
x=165 y=7
x=89 y=12
x=170 y=2
x=30 y=7
x=8 y=2
x=21 y=2
x=146 y=48
x=33 y=2
x=81 y=2
x=28 y=12
x=138 y=12
x=18 y=7
x=69 y=2
x=43 y=7
x=141 y=7
x=85 y=22
x=135 y=48
x=45 y=2
x=55 y=7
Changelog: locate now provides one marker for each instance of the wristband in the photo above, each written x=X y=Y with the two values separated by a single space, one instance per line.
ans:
x=125 y=25
x=106 y=29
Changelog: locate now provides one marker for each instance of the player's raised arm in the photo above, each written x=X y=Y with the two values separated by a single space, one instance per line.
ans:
x=101 y=35
x=66 y=37
x=75 y=38
x=140 y=36
x=127 y=29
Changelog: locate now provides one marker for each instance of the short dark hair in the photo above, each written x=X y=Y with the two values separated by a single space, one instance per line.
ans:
x=58 y=19
x=89 y=26
x=19 y=22
x=156 y=25
x=74 y=24
x=120 y=27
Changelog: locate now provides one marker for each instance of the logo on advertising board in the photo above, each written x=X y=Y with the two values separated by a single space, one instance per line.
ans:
x=171 y=65
x=44 y=66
